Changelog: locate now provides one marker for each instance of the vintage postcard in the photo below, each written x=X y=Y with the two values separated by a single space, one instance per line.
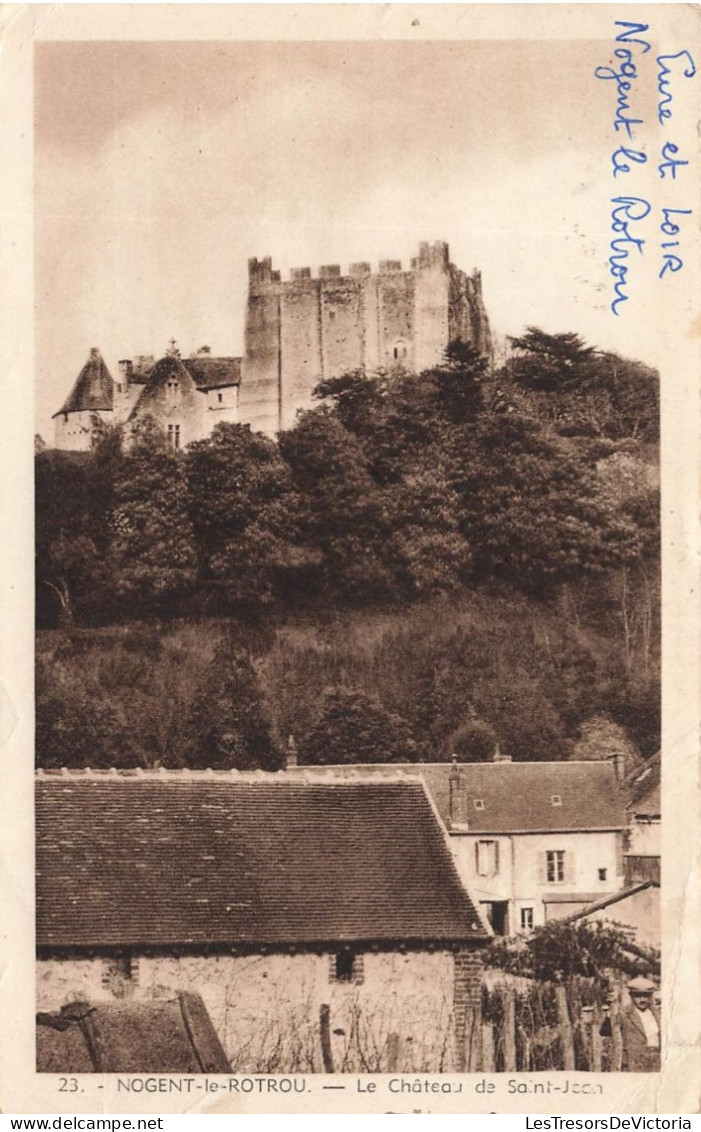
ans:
x=350 y=669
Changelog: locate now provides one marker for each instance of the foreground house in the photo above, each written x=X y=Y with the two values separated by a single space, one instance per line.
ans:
x=533 y=841
x=319 y=920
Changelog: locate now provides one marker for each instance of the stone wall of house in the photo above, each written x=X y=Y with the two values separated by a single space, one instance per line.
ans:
x=177 y=405
x=266 y=1008
x=73 y=432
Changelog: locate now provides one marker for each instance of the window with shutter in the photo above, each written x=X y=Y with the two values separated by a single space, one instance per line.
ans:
x=569 y=872
x=487 y=858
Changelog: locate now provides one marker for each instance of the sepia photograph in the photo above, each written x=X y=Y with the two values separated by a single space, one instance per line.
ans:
x=352 y=353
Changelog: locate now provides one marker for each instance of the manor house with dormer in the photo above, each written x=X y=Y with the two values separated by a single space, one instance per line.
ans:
x=298 y=331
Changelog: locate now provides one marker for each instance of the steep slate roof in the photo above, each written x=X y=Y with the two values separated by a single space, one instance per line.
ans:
x=213 y=373
x=642 y=787
x=93 y=389
x=166 y=369
x=173 y=1035
x=191 y=860
x=517 y=797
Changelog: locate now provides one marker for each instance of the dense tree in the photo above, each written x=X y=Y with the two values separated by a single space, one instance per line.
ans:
x=71 y=572
x=530 y=511
x=552 y=362
x=229 y=725
x=580 y=390
x=153 y=550
x=352 y=727
x=473 y=742
x=561 y=950
x=245 y=514
x=343 y=521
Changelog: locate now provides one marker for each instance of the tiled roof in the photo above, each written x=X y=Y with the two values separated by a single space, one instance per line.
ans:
x=239 y=860
x=167 y=368
x=642 y=786
x=513 y=797
x=173 y=1035
x=93 y=389
x=214 y=373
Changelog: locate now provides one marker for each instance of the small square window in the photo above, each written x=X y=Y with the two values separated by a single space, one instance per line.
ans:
x=479 y=804
x=346 y=967
x=556 y=799
x=602 y=874
x=220 y=397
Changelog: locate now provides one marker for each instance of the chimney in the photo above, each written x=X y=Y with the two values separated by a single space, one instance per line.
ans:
x=498 y=757
x=457 y=798
x=619 y=764
x=125 y=370
x=291 y=759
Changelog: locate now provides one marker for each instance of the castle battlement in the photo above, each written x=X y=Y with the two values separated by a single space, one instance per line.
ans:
x=298 y=332
x=436 y=255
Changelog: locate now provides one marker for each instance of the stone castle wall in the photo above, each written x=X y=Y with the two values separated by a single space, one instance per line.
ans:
x=307 y=328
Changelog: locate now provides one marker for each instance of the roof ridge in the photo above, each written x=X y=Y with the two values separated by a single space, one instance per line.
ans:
x=187 y=774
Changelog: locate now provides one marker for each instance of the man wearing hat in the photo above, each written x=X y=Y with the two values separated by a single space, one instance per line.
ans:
x=640 y=1029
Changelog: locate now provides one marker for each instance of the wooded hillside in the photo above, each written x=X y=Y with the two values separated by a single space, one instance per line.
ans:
x=425 y=563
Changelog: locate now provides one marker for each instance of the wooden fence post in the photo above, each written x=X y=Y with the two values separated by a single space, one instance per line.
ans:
x=393 y=1051
x=325 y=1033
x=596 y=1045
x=587 y=1030
x=487 y=1047
x=565 y=1027
x=616 y=1034
x=508 y=997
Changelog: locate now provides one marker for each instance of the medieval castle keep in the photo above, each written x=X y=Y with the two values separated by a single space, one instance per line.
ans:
x=297 y=332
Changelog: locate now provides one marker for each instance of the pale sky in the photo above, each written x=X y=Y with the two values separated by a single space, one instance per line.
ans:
x=161 y=167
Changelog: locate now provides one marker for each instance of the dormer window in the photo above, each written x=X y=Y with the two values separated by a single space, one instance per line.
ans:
x=556 y=800
x=479 y=804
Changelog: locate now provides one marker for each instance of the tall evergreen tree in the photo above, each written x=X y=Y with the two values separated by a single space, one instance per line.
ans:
x=229 y=725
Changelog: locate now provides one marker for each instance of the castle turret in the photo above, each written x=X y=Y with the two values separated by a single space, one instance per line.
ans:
x=259 y=403
x=91 y=398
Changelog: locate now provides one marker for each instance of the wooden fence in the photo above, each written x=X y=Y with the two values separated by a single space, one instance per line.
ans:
x=527 y=1026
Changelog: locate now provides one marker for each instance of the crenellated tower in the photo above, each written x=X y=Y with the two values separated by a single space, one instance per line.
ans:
x=309 y=327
